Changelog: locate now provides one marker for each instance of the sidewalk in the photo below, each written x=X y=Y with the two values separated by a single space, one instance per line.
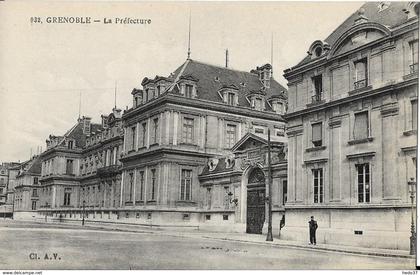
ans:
x=256 y=239
x=230 y=237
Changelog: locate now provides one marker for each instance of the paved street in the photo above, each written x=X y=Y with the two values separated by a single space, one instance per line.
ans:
x=75 y=248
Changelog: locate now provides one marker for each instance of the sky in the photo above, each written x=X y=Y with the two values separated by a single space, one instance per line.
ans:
x=44 y=68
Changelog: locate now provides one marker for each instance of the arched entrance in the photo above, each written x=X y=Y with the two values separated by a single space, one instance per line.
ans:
x=255 y=210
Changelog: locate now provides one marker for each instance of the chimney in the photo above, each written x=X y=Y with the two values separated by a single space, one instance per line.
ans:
x=361 y=17
x=116 y=112
x=86 y=125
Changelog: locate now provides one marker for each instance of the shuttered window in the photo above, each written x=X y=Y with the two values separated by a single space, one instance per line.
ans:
x=317 y=134
x=414 y=114
x=361 y=125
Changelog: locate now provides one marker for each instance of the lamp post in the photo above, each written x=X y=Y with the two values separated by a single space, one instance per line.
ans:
x=412 y=189
x=46 y=213
x=83 y=211
x=270 y=183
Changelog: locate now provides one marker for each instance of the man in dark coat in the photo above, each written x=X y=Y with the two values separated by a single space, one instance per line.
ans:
x=312 y=230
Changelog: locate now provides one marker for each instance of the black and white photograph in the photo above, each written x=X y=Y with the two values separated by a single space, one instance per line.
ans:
x=214 y=135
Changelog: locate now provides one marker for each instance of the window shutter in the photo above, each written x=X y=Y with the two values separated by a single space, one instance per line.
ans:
x=236 y=99
x=225 y=95
x=361 y=125
x=316 y=132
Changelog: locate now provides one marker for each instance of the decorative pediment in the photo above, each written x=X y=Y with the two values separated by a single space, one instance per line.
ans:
x=358 y=35
x=249 y=141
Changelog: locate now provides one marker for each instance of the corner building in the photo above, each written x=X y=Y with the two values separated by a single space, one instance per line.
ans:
x=182 y=139
x=352 y=130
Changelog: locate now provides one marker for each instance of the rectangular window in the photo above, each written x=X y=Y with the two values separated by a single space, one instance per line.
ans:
x=317 y=86
x=284 y=191
x=360 y=74
x=35 y=192
x=35 y=180
x=155 y=131
x=67 y=193
x=317 y=134
x=141 y=184
x=230 y=135
x=363 y=182
x=186 y=184
x=70 y=144
x=414 y=56
x=208 y=198
x=318 y=185
x=69 y=167
x=414 y=114
x=361 y=125
x=133 y=138
x=144 y=133
x=188 y=130
x=33 y=205
x=188 y=90
x=153 y=185
x=231 y=99
x=130 y=189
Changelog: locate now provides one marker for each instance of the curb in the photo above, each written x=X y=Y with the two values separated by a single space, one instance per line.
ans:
x=163 y=232
x=368 y=253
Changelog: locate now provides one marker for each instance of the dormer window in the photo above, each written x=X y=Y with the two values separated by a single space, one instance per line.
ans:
x=231 y=98
x=318 y=51
x=189 y=90
x=70 y=144
x=258 y=104
x=278 y=107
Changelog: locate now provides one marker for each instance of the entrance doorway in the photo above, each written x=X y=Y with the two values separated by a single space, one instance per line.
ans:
x=255 y=210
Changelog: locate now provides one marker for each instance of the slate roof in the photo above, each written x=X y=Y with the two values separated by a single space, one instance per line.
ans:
x=220 y=168
x=390 y=17
x=212 y=78
x=77 y=133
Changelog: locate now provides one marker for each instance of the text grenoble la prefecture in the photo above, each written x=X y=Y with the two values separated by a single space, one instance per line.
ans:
x=88 y=20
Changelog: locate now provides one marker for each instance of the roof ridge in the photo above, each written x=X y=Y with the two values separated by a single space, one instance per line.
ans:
x=179 y=75
x=347 y=18
x=221 y=67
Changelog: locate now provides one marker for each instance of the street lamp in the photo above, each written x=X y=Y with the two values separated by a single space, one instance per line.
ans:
x=83 y=211
x=412 y=190
x=235 y=200
x=46 y=208
x=270 y=183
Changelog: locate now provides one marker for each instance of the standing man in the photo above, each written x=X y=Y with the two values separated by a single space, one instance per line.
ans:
x=312 y=230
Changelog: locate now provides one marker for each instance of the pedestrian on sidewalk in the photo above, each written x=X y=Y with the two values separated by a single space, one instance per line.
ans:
x=312 y=230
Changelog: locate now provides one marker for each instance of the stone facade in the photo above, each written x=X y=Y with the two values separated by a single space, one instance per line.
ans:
x=81 y=168
x=352 y=130
x=181 y=123
x=26 y=193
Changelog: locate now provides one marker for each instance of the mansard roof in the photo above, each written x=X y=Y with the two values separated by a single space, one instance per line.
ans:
x=212 y=78
x=221 y=167
x=389 y=18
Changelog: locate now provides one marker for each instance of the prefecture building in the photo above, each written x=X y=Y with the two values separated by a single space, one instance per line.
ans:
x=352 y=130
x=192 y=150
x=195 y=147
